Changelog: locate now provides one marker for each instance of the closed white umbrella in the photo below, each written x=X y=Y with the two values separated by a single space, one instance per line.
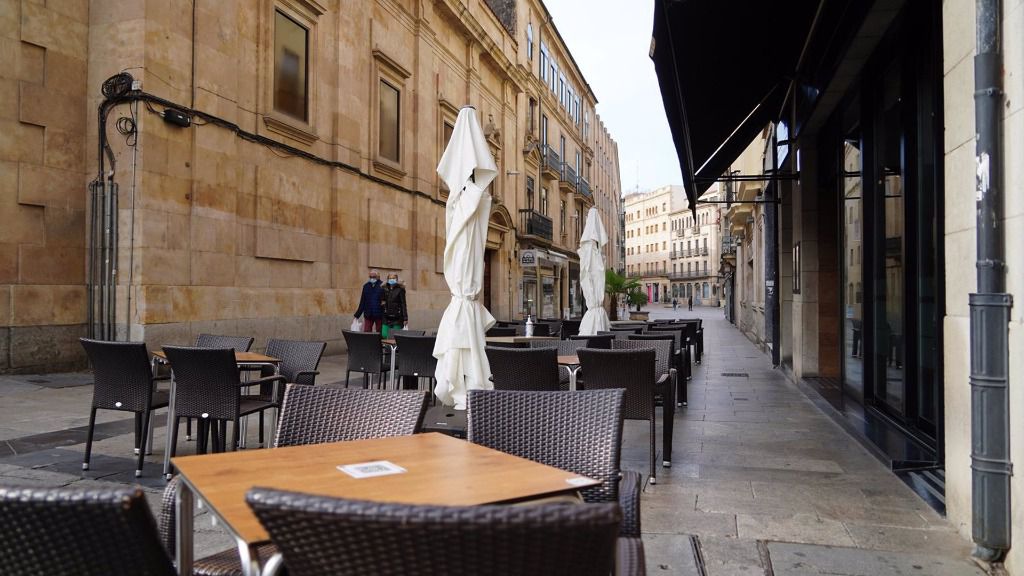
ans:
x=467 y=167
x=592 y=274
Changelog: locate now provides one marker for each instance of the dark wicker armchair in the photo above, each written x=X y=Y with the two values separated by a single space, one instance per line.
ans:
x=65 y=532
x=682 y=368
x=208 y=388
x=366 y=356
x=564 y=348
x=236 y=343
x=319 y=535
x=636 y=371
x=123 y=381
x=523 y=368
x=502 y=331
x=576 y=431
x=416 y=358
x=596 y=341
x=570 y=328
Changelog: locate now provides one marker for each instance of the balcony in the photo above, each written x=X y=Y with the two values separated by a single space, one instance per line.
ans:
x=568 y=178
x=675 y=254
x=704 y=251
x=552 y=163
x=536 y=225
x=584 y=190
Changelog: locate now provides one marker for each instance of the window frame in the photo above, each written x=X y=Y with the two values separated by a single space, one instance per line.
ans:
x=306 y=14
x=386 y=69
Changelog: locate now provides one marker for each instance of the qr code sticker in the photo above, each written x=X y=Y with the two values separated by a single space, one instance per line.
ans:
x=371 y=469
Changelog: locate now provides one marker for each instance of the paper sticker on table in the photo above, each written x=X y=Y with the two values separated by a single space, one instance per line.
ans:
x=579 y=481
x=372 y=469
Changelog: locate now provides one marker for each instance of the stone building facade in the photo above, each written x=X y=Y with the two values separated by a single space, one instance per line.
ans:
x=673 y=252
x=316 y=128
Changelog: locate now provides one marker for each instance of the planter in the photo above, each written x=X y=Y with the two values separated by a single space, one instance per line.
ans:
x=641 y=315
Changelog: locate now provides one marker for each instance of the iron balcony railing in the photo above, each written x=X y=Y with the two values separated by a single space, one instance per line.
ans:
x=551 y=159
x=680 y=232
x=584 y=188
x=568 y=174
x=675 y=254
x=534 y=223
x=704 y=251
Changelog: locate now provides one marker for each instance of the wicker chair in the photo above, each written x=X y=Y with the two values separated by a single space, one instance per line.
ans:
x=313 y=415
x=502 y=331
x=299 y=360
x=596 y=341
x=236 y=343
x=576 y=431
x=65 y=531
x=319 y=535
x=682 y=342
x=523 y=369
x=124 y=382
x=416 y=358
x=696 y=334
x=634 y=370
x=207 y=387
x=681 y=367
x=366 y=356
x=570 y=328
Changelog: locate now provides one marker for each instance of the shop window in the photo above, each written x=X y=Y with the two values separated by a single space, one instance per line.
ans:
x=291 y=64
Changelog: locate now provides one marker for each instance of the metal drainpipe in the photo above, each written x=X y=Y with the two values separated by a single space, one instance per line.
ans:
x=990 y=306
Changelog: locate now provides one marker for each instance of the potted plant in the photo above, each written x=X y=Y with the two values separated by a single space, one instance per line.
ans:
x=636 y=296
x=616 y=284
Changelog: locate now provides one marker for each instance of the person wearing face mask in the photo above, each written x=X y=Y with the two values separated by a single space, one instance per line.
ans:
x=396 y=314
x=369 y=304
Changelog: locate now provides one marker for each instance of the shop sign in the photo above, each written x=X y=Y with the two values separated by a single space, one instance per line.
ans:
x=528 y=258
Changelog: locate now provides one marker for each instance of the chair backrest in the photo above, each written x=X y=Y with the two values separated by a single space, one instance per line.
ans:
x=316 y=415
x=523 y=368
x=554 y=328
x=93 y=532
x=502 y=331
x=319 y=535
x=122 y=374
x=576 y=431
x=598 y=341
x=416 y=355
x=237 y=343
x=564 y=347
x=616 y=334
x=364 y=351
x=656 y=335
x=206 y=382
x=407 y=332
x=629 y=369
x=297 y=356
x=570 y=328
x=677 y=331
x=540 y=329
x=662 y=350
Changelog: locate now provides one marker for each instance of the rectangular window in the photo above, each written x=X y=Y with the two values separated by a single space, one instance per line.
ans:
x=291 y=42
x=389 y=121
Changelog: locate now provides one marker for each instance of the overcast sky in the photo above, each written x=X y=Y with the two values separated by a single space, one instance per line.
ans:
x=609 y=40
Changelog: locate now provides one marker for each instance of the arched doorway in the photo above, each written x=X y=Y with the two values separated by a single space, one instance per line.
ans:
x=497 y=295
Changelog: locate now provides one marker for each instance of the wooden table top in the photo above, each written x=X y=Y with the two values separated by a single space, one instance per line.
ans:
x=471 y=474
x=568 y=360
x=240 y=357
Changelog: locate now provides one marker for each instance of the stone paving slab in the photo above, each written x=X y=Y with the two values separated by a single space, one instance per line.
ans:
x=810 y=560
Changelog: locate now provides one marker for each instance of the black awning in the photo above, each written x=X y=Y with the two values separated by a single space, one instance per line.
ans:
x=724 y=67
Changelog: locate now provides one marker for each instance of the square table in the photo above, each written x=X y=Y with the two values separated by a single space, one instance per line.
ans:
x=242 y=359
x=472 y=474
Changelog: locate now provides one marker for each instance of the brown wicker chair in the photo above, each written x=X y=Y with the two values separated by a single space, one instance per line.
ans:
x=523 y=369
x=319 y=535
x=65 y=531
x=576 y=431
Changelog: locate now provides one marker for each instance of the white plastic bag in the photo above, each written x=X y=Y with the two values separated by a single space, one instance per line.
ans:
x=357 y=325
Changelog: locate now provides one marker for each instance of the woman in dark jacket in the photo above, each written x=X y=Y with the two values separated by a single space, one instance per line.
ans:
x=392 y=302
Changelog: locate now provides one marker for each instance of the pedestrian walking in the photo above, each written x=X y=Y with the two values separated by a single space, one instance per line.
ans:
x=392 y=301
x=689 y=302
x=369 y=304
x=675 y=304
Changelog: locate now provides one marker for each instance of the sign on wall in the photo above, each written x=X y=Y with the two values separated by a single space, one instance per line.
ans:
x=528 y=258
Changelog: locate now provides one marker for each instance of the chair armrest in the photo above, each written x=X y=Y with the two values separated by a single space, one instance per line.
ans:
x=161 y=378
x=307 y=373
x=629 y=501
x=629 y=557
x=264 y=380
x=306 y=377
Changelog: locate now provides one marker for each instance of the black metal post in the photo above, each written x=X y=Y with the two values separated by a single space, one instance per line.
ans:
x=990 y=306
x=771 y=259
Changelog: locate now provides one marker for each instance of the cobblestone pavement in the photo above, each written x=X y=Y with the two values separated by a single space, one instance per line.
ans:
x=761 y=481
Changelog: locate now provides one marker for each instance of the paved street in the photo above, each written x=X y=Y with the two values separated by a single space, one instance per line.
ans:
x=762 y=482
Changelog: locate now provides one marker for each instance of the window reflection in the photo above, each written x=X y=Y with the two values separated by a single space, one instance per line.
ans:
x=389 y=118
x=853 y=275
x=290 y=62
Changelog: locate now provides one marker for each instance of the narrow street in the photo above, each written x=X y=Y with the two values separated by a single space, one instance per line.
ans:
x=761 y=483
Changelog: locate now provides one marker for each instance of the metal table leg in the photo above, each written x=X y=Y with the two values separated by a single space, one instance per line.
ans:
x=573 y=371
x=391 y=376
x=184 y=528
x=170 y=431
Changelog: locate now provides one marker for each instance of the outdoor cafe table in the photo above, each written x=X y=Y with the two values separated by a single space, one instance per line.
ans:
x=572 y=364
x=242 y=359
x=439 y=470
